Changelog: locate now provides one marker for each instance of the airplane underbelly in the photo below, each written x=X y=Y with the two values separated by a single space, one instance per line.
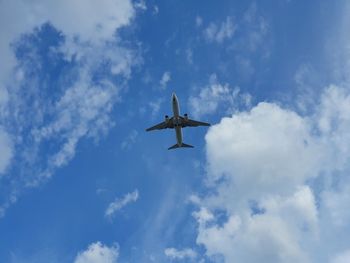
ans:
x=176 y=109
x=178 y=135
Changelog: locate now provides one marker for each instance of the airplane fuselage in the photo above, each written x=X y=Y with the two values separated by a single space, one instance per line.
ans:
x=177 y=120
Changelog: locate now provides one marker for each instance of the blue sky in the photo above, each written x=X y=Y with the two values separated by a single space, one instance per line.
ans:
x=80 y=179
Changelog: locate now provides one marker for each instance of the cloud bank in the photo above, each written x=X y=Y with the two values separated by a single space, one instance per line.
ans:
x=279 y=184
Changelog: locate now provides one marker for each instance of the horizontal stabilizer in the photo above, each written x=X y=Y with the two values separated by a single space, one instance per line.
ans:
x=187 y=145
x=184 y=145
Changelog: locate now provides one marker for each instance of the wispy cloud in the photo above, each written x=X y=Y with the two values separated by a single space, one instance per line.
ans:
x=155 y=106
x=216 y=96
x=182 y=254
x=199 y=21
x=256 y=28
x=253 y=39
x=189 y=56
x=141 y=4
x=220 y=32
x=41 y=126
x=155 y=10
x=166 y=77
x=93 y=23
x=6 y=150
x=129 y=140
x=118 y=204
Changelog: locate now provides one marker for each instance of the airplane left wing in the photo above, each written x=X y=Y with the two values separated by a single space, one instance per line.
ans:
x=193 y=123
x=161 y=126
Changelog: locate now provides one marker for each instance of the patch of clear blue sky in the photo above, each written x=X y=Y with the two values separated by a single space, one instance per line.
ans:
x=66 y=214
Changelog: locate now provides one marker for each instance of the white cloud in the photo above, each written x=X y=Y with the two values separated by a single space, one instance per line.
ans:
x=98 y=253
x=266 y=168
x=254 y=238
x=336 y=202
x=166 y=77
x=277 y=141
x=182 y=254
x=81 y=106
x=263 y=156
x=118 y=204
x=88 y=21
x=215 y=96
x=333 y=119
x=219 y=33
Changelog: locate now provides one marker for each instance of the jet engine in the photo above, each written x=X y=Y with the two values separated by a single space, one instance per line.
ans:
x=186 y=116
x=166 y=118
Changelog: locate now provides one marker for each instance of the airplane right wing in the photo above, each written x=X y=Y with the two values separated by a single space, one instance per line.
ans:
x=193 y=123
x=162 y=125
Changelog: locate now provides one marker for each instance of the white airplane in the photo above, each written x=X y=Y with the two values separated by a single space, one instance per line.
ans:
x=177 y=122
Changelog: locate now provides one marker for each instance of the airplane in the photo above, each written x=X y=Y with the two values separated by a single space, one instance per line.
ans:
x=177 y=122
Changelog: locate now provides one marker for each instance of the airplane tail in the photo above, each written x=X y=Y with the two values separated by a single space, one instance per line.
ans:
x=183 y=145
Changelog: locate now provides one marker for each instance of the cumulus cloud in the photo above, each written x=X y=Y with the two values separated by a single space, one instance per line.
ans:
x=98 y=253
x=42 y=125
x=219 y=32
x=267 y=237
x=217 y=96
x=277 y=141
x=176 y=254
x=336 y=202
x=118 y=204
x=278 y=184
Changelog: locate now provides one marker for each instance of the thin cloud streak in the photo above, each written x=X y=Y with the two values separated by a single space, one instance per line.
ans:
x=118 y=204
